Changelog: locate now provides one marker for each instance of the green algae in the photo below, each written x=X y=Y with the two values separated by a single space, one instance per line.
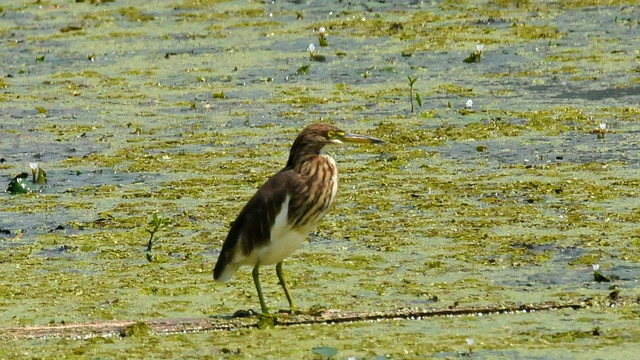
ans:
x=425 y=220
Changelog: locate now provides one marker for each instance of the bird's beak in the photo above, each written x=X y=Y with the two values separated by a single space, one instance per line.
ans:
x=361 y=139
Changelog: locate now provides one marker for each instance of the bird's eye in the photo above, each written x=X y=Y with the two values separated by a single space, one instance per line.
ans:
x=331 y=134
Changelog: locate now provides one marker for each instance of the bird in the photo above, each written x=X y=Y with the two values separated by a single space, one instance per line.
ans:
x=276 y=220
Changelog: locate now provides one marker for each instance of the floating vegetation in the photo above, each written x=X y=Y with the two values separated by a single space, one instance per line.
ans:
x=18 y=185
x=505 y=202
x=327 y=352
x=219 y=95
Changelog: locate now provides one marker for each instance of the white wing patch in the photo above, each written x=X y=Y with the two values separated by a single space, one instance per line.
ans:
x=284 y=240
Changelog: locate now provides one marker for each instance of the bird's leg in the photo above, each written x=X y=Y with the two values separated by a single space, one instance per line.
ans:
x=256 y=281
x=292 y=305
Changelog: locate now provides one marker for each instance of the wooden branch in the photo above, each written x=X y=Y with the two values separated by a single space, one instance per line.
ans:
x=169 y=326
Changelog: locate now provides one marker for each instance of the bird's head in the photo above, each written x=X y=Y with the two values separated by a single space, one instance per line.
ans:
x=325 y=134
x=314 y=137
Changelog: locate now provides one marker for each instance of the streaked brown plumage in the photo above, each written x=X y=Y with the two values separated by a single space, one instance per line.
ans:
x=277 y=219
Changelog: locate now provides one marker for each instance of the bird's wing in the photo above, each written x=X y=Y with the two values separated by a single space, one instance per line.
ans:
x=252 y=228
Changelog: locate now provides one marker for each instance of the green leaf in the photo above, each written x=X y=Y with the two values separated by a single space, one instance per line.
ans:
x=303 y=70
x=326 y=351
x=42 y=177
x=418 y=99
x=18 y=185
x=473 y=58
x=600 y=277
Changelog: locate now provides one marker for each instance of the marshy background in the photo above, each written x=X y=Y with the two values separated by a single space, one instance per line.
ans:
x=184 y=108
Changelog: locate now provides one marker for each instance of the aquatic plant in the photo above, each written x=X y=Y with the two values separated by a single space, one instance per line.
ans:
x=156 y=223
x=34 y=170
x=39 y=176
x=312 y=54
x=417 y=96
x=42 y=177
x=598 y=276
x=601 y=130
x=303 y=70
x=322 y=36
x=18 y=185
x=470 y=343
x=475 y=57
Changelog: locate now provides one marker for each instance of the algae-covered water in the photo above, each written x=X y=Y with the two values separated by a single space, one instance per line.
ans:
x=184 y=108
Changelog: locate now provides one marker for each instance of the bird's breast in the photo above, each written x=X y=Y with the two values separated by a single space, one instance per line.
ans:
x=319 y=178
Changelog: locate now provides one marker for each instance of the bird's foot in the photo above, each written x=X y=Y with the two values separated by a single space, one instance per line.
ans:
x=267 y=320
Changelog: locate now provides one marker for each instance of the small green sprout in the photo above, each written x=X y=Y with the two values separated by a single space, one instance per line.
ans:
x=156 y=222
x=411 y=96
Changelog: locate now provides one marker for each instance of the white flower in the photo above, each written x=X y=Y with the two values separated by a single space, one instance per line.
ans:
x=322 y=30
x=311 y=48
x=603 y=126
x=470 y=341
x=33 y=166
x=595 y=267
x=479 y=47
x=469 y=104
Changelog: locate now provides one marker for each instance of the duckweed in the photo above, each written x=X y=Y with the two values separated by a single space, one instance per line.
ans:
x=510 y=202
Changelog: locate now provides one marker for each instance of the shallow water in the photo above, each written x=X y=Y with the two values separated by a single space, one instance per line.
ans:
x=511 y=201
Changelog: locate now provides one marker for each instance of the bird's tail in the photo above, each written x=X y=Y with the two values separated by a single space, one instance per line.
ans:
x=224 y=271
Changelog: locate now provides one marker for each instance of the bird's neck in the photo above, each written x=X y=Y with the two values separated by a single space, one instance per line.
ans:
x=303 y=165
x=301 y=154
